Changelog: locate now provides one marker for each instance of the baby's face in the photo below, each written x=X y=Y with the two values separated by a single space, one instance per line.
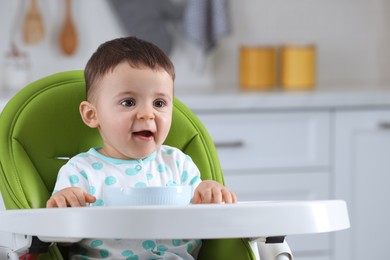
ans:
x=134 y=111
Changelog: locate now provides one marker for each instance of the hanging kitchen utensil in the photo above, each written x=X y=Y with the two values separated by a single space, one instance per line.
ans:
x=68 y=36
x=33 y=27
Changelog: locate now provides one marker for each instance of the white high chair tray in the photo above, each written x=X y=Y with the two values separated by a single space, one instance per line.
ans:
x=241 y=220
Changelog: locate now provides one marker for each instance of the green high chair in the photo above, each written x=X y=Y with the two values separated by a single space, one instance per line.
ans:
x=41 y=127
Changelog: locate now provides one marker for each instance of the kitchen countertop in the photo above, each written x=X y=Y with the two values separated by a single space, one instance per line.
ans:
x=334 y=98
x=280 y=100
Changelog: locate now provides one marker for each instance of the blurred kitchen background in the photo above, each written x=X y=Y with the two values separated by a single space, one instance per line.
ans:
x=352 y=38
x=331 y=142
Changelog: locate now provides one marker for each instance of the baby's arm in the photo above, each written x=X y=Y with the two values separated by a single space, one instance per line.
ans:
x=209 y=191
x=72 y=196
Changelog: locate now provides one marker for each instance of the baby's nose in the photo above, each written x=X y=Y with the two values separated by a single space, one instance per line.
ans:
x=146 y=113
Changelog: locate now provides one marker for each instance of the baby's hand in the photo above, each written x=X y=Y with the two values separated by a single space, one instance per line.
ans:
x=72 y=196
x=212 y=192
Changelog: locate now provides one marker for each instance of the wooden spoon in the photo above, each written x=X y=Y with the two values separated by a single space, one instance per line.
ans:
x=33 y=27
x=68 y=36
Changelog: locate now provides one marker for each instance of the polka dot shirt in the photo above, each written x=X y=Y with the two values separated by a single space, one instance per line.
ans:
x=93 y=172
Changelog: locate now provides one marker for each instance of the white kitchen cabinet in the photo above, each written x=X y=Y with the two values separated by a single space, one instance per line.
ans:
x=362 y=178
x=264 y=141
x=328 y=153
x=276 y=156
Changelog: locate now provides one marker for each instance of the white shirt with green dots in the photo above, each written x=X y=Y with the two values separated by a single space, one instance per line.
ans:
x=93 y=172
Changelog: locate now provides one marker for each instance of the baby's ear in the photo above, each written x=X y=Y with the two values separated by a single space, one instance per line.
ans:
x=88 y=114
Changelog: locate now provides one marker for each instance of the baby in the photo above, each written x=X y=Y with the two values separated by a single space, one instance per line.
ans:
x=130 y=101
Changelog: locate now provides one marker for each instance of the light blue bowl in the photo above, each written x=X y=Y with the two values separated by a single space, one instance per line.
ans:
x=139 y=196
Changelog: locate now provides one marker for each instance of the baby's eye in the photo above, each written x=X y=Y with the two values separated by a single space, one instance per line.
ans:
x=159 y=103
x=128 y=102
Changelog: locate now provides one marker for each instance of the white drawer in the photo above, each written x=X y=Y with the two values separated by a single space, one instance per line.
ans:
x=269 y=140
x=278 y=186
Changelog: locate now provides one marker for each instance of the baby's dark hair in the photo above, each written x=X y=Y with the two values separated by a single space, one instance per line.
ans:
x=138 y=53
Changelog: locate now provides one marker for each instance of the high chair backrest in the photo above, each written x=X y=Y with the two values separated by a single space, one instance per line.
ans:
x=40 y=128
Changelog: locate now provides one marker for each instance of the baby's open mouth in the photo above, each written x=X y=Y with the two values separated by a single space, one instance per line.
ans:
x=144 y=133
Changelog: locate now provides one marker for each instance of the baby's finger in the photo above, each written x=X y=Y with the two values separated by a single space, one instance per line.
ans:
x=217 y=195
x=234 y=197
x=206 y=196
x=227 y=196
x=80 y=198
x=73 y=200
x=58 y=202
x=51 y=203
x=196 y=198
x=89 y=198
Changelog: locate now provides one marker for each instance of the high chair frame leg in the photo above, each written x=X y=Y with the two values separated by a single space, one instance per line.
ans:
x=12 y=246
x=274 y=248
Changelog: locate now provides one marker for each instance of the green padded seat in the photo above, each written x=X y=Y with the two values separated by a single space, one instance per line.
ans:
x=40 y=128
